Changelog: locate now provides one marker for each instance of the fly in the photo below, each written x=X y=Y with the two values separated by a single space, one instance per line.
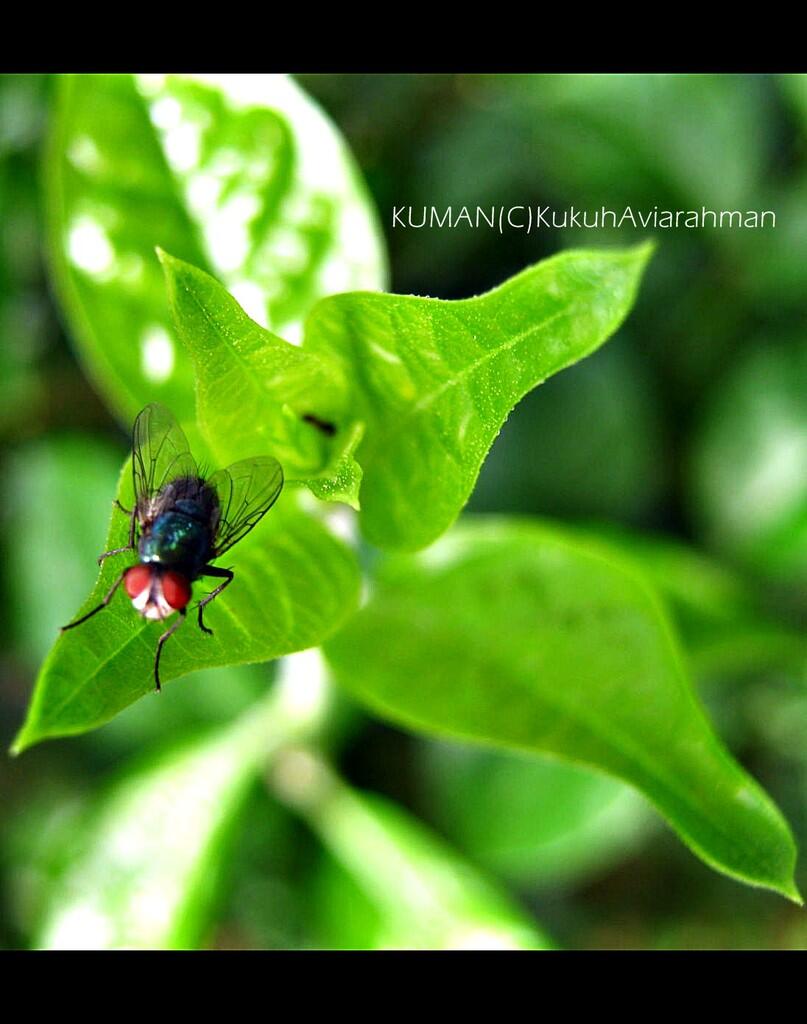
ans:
x=182 y=521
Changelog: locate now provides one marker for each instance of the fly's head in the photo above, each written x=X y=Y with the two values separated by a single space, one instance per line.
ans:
x=156 y=592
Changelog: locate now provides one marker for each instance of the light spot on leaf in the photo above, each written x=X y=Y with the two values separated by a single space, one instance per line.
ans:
x=89 y=248
x=85 y=155
x=157 y=354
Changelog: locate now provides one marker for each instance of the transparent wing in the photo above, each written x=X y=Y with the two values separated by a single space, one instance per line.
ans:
x=246 y=490
x=159 y=453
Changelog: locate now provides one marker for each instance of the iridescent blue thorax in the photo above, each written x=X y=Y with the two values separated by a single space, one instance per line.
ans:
x=178 y=526
x=178 y=540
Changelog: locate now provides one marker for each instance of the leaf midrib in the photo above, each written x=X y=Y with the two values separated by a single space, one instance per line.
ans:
x=625 y=747
x=255 y=381
x=431 y=397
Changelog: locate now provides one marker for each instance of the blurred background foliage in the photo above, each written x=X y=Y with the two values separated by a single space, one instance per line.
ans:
x=690 y=425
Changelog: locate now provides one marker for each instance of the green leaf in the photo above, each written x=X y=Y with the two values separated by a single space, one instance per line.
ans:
x=340 y=480
x=254 y=390
x=422 y=894
x=723 y=622
x=145 y=872
x=341 y=914
x=295 y=583
x=523 y=636
x=532 y=820
x=239 y=174
x=433 y=381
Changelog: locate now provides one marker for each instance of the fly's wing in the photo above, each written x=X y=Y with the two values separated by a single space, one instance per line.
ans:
x=246 y=491
x=159 y=453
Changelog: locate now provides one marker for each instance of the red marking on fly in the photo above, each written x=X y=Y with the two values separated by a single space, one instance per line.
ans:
x=176 y=590
x=156 y=592
x=137 y=579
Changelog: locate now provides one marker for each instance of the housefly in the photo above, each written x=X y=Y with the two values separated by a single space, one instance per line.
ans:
x=182 y=521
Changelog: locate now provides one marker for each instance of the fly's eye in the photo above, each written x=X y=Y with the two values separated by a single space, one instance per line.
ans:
x=137 y=579
x=176 y=590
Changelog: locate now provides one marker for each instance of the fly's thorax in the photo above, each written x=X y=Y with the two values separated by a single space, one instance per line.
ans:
x=176 y=540
x=191 y=496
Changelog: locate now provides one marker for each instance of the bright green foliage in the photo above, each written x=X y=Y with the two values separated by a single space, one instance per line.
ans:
x=253 y=388
x=532 y=820
x=526 y=637
x=295 y=584
x=725 y=628
x=420 y=895
x=148 y=872
x=241 y=175
x=433 y=381
x=515 y=635
x=417 y=388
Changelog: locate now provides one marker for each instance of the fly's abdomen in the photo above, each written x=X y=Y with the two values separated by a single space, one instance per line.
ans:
x=176 y=540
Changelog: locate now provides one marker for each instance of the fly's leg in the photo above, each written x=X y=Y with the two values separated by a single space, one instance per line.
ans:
x=227 y=575
x=114 y=551
x=117 y=504
x=103 y=604
x=161 y=641
x=131 y=544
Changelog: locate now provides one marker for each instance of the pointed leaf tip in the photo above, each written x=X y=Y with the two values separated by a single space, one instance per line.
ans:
x=434 y=380
x=536 y=638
